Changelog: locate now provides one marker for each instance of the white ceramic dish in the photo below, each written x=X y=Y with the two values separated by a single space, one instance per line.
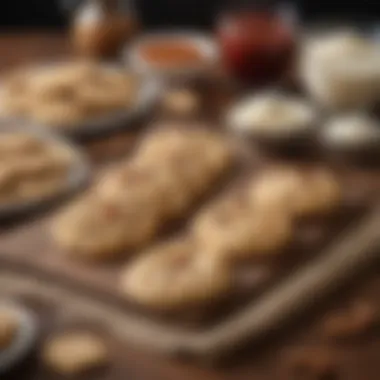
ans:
x=356 y=136
x=205 y=43
x=25 y=338
x=78 y=176
x=237 y=119
x=109 y=123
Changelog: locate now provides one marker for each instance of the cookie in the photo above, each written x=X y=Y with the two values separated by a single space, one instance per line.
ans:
x=161 y=144
x=275 y=188
x=19 y=144
x=75 y=353
x=230 y=230
x=57 y=114
x=95 y=229
x=172 y=276
x=321 y=193
x=302 y=193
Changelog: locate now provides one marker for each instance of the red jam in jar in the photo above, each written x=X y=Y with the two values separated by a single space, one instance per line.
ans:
x=256 y=46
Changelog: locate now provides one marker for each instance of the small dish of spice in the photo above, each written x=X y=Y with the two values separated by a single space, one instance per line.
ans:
x=178 y=55
x=355 y=135
x=273 y=118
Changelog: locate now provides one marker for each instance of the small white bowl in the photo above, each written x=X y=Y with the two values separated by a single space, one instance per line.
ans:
x=354 y=135
x=24 y=340
x=206 y=45
x=238 y=119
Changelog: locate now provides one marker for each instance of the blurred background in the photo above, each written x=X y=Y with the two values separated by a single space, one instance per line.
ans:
x=156 y=13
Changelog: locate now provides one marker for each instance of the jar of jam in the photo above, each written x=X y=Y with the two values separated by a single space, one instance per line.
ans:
x=256 y=41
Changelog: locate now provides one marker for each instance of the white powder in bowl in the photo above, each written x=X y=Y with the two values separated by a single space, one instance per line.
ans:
x=271 y=114
x=351 y=130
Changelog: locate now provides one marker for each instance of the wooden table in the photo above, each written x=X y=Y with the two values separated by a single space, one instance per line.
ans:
x=258 y=363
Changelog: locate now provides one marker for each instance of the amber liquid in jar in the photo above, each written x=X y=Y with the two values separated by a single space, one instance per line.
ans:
x=100 y=29
x=256 y=46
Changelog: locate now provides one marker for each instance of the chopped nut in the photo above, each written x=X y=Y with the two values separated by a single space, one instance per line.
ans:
x=181 y=102
x=311 y=363
x=350 y=322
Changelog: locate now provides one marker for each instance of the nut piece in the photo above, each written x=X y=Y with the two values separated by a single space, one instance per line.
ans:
x=8 y=329
x=349 y=323
x=314 y=363
x=75 y=353
x=181 y=102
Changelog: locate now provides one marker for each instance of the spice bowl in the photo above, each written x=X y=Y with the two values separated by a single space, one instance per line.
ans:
x=174 y=56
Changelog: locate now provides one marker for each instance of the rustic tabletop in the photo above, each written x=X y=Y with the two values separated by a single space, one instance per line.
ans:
x=353 y=360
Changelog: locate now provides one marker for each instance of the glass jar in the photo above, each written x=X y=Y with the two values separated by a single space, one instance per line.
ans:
x=257 y=41
x=102 y=27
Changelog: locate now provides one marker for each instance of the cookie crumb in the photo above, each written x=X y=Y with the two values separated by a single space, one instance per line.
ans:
x=181 y=102
x=75 y=353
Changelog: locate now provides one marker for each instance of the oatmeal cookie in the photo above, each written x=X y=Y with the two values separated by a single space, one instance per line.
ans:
x=75 y=353
x=302 y=193
x=232 y=231
x=171 y=277
x=94 y=229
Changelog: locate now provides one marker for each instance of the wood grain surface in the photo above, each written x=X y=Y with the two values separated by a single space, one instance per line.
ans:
x=263 y=364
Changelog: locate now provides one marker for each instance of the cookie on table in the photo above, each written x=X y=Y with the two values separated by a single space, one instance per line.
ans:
x=156 y=186
x=20 y=144
x=321 y=194
x=172 y=277
x=95 y=229
x=161 y=144
x=57 y=114
x=299 y=192
x=230 y=230
x=75 y=353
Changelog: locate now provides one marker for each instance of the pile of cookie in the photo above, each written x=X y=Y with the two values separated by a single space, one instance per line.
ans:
x=31 y=167
x=137 y=198
x=253 y=226
x=67 y=94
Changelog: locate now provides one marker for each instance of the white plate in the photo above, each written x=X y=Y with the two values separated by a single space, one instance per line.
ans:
x=205 y=43
x=147 y=98
x=78 y=175
x=24 y=340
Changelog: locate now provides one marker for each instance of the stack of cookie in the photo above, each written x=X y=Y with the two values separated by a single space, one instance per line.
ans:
x=255 y=225
x=67 y=94
x=31 y=167
x=133 y=201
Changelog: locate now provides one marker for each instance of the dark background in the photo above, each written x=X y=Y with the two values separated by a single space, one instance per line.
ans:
x=51 y=13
